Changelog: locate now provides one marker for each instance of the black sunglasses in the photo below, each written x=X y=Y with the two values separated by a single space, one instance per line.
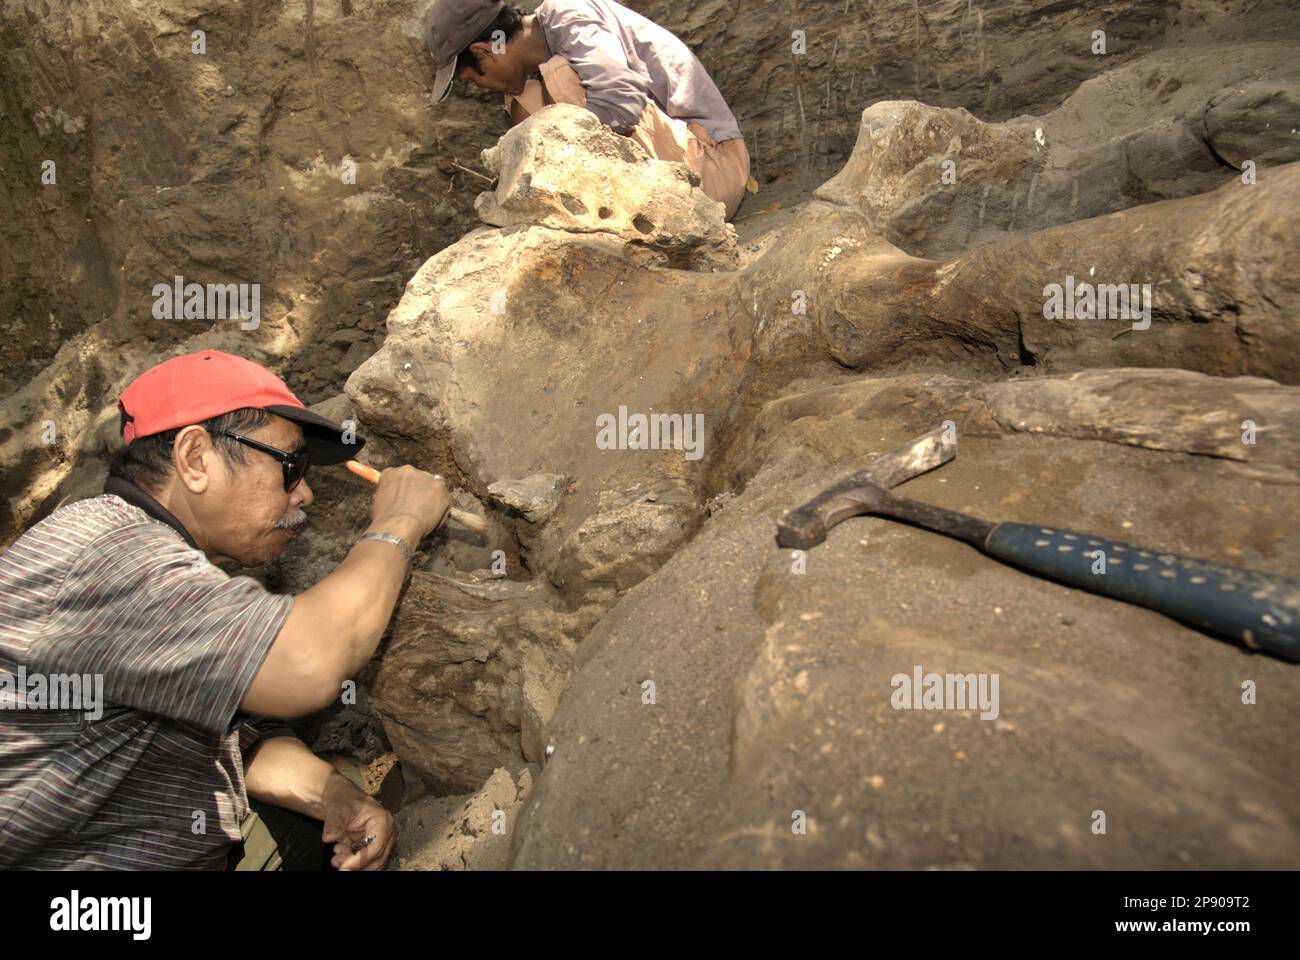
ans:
x=294 y=464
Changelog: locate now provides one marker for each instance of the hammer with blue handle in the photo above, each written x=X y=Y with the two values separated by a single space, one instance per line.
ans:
x=1259 y=610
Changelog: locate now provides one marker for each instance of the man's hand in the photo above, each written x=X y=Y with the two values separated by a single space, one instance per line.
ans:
x=350 y=817
x=407 y=495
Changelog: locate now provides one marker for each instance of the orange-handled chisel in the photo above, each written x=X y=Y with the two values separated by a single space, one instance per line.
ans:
x=467 y=520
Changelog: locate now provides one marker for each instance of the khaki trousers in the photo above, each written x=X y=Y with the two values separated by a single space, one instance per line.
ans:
x=723 y=167
x=279 y=839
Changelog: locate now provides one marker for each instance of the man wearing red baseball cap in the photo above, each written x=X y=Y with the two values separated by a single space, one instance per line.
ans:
x=193 y=667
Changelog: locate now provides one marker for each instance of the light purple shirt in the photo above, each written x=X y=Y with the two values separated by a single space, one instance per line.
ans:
x=624 y=60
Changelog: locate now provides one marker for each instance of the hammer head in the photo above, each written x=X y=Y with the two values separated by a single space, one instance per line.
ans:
x=806 y=526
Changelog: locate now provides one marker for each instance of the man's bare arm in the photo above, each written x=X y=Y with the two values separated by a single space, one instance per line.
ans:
x=281 y=771
x=333 y=628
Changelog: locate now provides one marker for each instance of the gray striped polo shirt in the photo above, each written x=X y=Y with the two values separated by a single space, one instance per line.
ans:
x=151 y=775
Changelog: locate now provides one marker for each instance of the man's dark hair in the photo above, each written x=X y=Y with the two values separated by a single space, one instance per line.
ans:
x=148 y=462
x=509 y=21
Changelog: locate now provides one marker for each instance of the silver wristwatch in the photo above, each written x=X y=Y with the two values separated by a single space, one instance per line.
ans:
x=388 y=538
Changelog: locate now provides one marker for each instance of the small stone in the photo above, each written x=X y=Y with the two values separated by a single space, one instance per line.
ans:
x=536 y=496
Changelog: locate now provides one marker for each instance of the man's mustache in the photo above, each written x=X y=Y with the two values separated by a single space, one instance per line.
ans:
x=293 y=519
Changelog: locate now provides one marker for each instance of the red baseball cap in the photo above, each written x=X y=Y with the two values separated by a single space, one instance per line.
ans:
x=199 y=386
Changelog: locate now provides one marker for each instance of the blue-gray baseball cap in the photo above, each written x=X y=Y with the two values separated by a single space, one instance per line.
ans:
x=450 y=26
